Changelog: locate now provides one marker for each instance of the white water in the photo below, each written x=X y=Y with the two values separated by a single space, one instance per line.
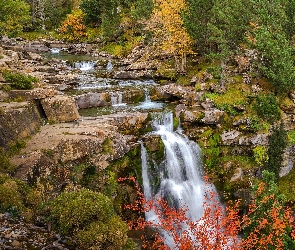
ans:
x=180 y=176
x=109 y=66
x=55 y=50
x=85 y=66
x=116 y=99
x=148 y=104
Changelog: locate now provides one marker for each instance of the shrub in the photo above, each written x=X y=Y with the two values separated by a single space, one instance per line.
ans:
x=260 y=155
x=89 y=216
x=75 y=210
x=112 y=235
x=267 y=107
x=19 y=81
x=13 y=194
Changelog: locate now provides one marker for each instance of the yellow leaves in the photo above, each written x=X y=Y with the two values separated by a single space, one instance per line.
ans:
x=73 y=28
x=167 y=23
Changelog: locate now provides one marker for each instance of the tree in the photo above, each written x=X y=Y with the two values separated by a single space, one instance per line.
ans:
x=270 y=39
x=167 y=24
x=48 y=14
x=14 y=15
x=104 y=13
x=277 y=145
x=73 y=29
x=268 y=224
x=216 y=229
x=216 y=26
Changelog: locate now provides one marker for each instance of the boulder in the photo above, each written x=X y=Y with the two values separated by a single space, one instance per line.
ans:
x=230 y=137
x=92 y=99
x=18 y=120
x=213 y=116
x=193 y=115
x=60 y=108
x=96 y=138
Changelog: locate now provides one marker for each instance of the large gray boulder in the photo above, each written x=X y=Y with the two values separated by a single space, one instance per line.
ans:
x=60 y=108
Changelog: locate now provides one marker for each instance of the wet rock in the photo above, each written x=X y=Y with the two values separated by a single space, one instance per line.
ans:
x=186 y=94
x=60 y=108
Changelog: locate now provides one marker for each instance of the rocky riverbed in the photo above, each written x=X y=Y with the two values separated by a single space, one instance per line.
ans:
x=58 y=137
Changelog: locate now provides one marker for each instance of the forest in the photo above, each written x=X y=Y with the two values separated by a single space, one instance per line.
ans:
x=243 y=53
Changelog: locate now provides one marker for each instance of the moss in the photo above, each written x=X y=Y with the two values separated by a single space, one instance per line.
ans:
x=111 y=235
x=107 y=146
x=286 y=186
x=234 y=96
x=13 y=194
x=75 y=210
x=183 y=80
x=291 y=137
x=128 y=165
x=5 y=165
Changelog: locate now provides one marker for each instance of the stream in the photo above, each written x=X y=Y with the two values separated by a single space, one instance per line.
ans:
x=179 y=175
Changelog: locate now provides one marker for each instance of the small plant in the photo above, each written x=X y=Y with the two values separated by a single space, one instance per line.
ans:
x=6 y=88
x=291 y=137
x=215 y=71
x=260 y=155
x=267 y=107
x=19 y=81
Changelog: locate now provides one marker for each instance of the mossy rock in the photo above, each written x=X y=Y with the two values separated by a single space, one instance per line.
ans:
x=286 y=186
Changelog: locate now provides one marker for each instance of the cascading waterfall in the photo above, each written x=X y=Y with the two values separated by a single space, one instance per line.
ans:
x=55 y=50
x=109 y=66
x=85 y=66
x=148 y=103
x=181 y=181
x=116 y=99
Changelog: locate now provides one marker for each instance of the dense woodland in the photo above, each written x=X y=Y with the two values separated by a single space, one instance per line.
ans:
x=216 y=33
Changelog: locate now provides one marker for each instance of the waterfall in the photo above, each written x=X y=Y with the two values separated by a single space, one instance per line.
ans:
x=181 y=182
x=148 y=103
x=109 y=66
x=84 y=66
x=116 y=99
x=55 y=50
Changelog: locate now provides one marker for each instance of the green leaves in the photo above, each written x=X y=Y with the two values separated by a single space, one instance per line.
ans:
x=267 y=108
x=19 y=81
x=14 y=15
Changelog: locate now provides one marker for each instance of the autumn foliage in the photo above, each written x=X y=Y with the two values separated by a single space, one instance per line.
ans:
x=167 y=25
x=262 y=227
x=73 y=29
